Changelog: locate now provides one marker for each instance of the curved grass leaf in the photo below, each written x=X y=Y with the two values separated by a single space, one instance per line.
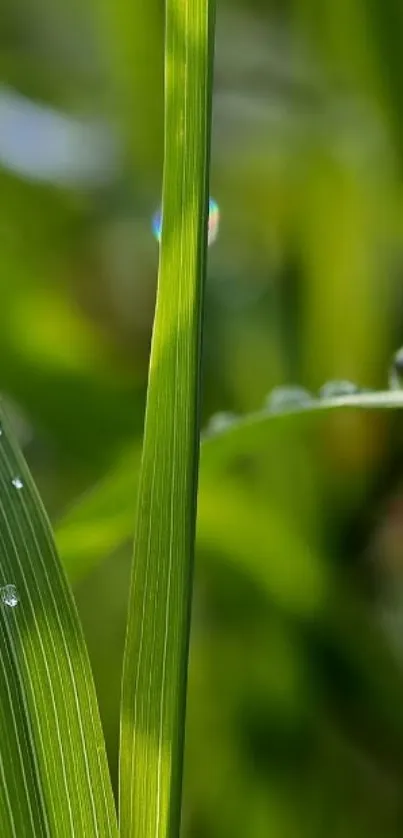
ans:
x=156 y=652
x=54 y=778
x=247 y=434
x=102 y=520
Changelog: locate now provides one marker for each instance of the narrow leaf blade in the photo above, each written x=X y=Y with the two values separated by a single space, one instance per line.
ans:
x=155 y=663
x=54 y=773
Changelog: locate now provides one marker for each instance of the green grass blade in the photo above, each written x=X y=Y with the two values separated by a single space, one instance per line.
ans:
x=102 y=520
x=54 y=778
x=155 y=662
x=247 y=434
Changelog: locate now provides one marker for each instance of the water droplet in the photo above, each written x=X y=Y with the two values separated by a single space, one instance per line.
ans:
x=285 y=398
x=213 y=222
x=17 y=482
x=396 y=371
x=9 y=596
x=336 y=389
x=157 y=225
x=220 y=422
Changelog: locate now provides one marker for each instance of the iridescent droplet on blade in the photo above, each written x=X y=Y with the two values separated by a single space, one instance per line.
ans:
x=213 y=222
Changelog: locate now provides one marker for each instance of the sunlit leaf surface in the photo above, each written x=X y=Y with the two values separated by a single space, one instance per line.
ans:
x=156 y=652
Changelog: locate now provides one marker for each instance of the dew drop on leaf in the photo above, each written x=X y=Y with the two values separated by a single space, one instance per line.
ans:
x=9 y=596
x=336 y=389
x=17 y=482
x=213 y=222
x=396 y=371
x=157 y=225
x=220 y=422
x=285 y=398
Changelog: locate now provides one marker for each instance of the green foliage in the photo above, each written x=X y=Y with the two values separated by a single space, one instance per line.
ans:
x=101 y=522
x=295 y=696
x=54 y=773
x=156 y=652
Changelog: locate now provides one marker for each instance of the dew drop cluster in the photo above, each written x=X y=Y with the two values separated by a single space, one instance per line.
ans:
x=289 y=398
x=294 y=397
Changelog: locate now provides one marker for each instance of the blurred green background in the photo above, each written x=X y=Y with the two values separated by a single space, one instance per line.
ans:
x=295 y=711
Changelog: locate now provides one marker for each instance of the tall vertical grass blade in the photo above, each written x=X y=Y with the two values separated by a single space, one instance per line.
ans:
x=54 y=778
x=155 y=663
